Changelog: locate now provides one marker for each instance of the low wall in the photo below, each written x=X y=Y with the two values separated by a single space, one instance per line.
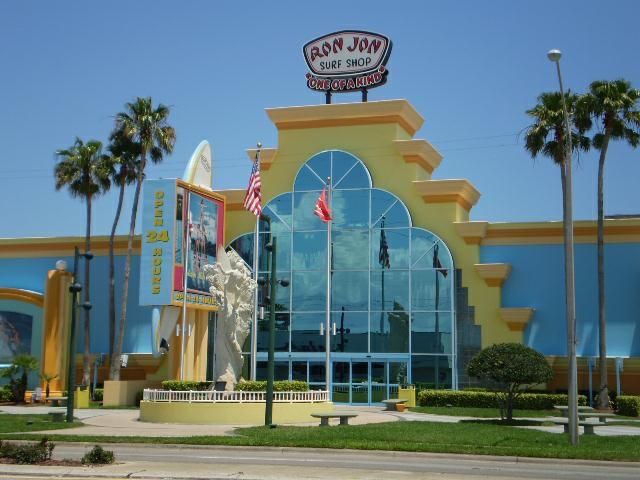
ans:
x=123 y=392
x=226 y=413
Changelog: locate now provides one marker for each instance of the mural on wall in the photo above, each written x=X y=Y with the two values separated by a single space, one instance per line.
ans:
x=15 y=335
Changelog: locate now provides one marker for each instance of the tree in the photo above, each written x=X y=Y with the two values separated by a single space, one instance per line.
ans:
x=146 y=126
x=18 y=375
x=509 y=369
x=615 y=107
x=86 y=172
x=47 y=378
x=125 y=154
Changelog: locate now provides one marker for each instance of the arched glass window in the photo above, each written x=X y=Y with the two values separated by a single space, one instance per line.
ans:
x=392 y=284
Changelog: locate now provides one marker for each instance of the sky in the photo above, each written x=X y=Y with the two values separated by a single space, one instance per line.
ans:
x=470 y=68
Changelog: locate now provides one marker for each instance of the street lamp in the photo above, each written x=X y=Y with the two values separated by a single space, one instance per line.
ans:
x=554 y=56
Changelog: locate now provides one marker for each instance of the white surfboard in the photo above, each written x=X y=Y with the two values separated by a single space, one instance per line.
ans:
x=199 y=170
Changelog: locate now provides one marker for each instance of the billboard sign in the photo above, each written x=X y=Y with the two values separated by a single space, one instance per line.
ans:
x=347 y=60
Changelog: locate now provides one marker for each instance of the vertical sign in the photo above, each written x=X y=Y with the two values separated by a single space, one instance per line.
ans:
x=158 y=239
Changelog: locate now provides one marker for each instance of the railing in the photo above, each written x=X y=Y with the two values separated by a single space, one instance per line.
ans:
x=214 y=396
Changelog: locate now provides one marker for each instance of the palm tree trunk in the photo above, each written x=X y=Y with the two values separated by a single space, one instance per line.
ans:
x=603 y=395
x=86 y=368
x=112 y=271
x=114 y=373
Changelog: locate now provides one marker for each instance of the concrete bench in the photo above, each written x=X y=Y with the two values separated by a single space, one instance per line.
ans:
x=602 y=417
x=57 y=416
x=565 y=409
x=588 y=426
x=56 y=401
x=343 y=416
x=391 y=404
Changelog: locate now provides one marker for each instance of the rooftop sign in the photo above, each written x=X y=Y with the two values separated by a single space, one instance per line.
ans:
x=347 y=60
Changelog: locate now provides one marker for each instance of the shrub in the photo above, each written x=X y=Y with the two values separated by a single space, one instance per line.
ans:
x=628 y=405
x=27 y=453
x=466 y=398
x=18 y=373
x=279 y=386
x=509 y=369
x=5 y=394
x=98 y=456
x=185 y=385
x=98 y=394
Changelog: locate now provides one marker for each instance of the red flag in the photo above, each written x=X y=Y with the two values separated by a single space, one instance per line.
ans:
x=322 y=207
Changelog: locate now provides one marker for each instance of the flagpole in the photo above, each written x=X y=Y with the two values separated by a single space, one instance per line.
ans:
x=436 y=262
x=256 y=247
x=327 y=323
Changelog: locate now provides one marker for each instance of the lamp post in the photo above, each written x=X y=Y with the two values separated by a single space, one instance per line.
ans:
x=554 y=56
x=75 y=288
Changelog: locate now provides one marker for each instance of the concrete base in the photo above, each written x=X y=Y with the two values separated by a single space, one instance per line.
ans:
x=124 y=392
x=229 y=413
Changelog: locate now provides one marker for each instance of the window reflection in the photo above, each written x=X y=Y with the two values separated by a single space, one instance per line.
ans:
x=390 y=331
x=431 y=371
x=387 y=205
x=349 y=290
x=304 y=203
x=309 y=291
x=305 y=332
x=350 y=208
x=431 y=290
x=352 y=329
x=389 y=290
x=397 y=242
x=431 y=332
x=282 y=333
x=350 y=249
x=310 y=250
x=348 y=172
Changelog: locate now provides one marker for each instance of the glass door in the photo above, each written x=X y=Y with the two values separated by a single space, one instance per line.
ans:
x=360 y=382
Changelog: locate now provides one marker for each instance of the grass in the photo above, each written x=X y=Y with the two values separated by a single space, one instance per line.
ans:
x=467 y=438
x=483 y=412
x=30 y=423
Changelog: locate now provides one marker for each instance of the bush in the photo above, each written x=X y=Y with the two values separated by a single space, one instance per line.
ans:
x=466 y=398
x=18 y=373
x=98 y=456
x=628 y=405
x=5 y=394
x=98 y=394
x=27 y=453
x=279 y=386
x=185 y=385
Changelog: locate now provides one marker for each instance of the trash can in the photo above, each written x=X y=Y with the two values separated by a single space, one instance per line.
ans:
x=408 y=393
x=81 y=399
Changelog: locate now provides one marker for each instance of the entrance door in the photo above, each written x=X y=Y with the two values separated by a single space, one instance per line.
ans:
x=366 y=381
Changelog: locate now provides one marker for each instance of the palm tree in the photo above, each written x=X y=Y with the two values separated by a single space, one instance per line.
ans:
x=86 y=172
x=125 y=154
x=147 y=126
x=614 y=105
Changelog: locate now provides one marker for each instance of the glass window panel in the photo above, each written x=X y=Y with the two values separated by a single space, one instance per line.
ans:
x=310 y=250
x=321 y=164
x=243 y=245
x=309 y=291
x=299 y=371
x=316 y=372
x=305 y=333
x=350 y=249
x=350 y=290
x=397 y=247
x=349 y=172
x=350 y=208
x=390 y=332
x=359 y=372
x=398 y=372
x=281 y=371
x=282 y=293
x=261 y=370
x=431 y=332
x=352 y=330
x=423 y=250
x=308 y=180
x=283 y=251
x=391 y=289
x=431 y=290
x=341 y=372
x=387 y=205
x=282 y=333
x=304 y=204
x=431 y=371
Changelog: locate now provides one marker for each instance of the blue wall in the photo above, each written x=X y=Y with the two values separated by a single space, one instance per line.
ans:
x=537 y=280
x=31 y=274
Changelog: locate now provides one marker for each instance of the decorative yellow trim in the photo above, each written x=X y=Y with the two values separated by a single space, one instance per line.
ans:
x=460 y=191
x=267 y=155
x=615 y=231
x=420 y=152
x=62 y=246
x=19 y=295
x=235 y=198
x=202 y=190
x=400 y=112
x=517 y=318
x=471 y=232
x=494 y=274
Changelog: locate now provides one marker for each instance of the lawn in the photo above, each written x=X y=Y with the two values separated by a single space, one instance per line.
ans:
x=468 y=438
x=30 y=423
x=483 y=412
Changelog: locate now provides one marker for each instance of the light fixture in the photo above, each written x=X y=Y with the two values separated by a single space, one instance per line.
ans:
x=61 y=265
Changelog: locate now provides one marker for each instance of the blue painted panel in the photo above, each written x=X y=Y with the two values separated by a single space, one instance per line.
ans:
x=537 y=280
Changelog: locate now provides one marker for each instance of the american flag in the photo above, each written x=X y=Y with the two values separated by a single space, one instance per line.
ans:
x=383 y=254
x=253 y=197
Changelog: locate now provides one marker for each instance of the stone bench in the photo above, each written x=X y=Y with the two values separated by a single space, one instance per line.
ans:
x=343 y=416
x=57 y=416
x=391 y=404
x=588 y=426
x=56 y=401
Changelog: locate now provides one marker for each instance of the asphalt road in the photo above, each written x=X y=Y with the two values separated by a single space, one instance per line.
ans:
x=166 y=462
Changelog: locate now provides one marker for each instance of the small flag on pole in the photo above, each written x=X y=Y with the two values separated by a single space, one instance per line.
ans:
x=322 y=207
x=253 y=197
x=436 y=262
x=383 y=255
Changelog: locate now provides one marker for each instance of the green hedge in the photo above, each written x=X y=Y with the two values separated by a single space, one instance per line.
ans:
x=628 y=405
x=177 y=385
x=98 y=394
x=466 y=398
x=278 y=386
x=5 y=394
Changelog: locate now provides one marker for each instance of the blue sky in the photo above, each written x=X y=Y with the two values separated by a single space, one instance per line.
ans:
x=470 y=68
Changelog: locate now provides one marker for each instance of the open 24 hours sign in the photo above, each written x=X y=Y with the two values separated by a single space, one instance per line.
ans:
x=347 y=60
